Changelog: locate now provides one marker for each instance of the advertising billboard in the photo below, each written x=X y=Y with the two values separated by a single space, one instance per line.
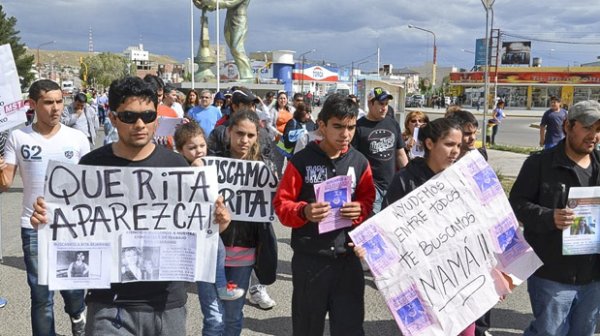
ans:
x=516 y=52
x=480 y=52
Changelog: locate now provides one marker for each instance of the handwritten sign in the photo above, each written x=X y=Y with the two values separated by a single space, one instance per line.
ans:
x=12 y=107
x=102 y=204
x=436 y=252
x=248 y=188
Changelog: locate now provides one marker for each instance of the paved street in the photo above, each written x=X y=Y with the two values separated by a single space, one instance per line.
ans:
x=509 y=317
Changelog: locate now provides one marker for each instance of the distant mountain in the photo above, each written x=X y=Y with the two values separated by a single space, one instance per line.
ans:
x=71 y=58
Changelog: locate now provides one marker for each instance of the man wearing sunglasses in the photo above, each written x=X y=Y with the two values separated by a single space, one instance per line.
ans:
x=141 y=307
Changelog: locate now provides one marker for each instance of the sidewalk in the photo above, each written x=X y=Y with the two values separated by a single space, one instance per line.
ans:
x=535 y=113
x=506 y=163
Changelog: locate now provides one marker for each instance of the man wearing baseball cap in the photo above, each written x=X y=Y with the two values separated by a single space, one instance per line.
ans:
x=379 y=139
x=241 y=99
x=565 y=291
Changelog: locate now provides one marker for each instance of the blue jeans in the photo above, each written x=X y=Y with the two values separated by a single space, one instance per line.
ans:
x=42 y=299
x=379 y=194
x=220 y=278
x=234 y=315
x=562 y=309
x=210 y=304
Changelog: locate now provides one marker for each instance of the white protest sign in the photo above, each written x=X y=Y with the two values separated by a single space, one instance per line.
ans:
x=437 y=252
x=168 y=209
x=12 y=106
x=248 y=188
x=167 y=126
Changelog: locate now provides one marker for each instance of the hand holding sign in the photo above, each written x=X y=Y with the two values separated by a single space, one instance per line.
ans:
x=316 y=212
x=222 y=215
x=39 y=213
x=351 y=210
x=563 y=218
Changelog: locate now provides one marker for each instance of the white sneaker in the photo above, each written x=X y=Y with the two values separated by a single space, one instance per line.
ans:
x=260 y=297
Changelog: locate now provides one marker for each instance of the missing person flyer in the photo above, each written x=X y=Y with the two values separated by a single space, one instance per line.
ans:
x=337 y=191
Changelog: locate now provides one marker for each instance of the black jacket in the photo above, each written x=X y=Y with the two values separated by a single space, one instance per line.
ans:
x=542 y=186
x=407 y=179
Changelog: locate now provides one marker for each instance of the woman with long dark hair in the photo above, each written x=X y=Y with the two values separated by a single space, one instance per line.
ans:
x=191 y=100
x=241 y=238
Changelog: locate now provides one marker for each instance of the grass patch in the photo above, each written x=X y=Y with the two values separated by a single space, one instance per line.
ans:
x=505 y=181
x=514 y=149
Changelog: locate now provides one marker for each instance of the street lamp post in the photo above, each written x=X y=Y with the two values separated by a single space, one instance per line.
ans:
x=434 y=64
x=38 y=56
x=353 y=76
x=487 y=4
x=303 y=58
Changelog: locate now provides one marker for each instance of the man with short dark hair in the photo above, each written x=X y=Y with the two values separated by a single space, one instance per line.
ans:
x=565 y=291
x=470 y=126
x=327 y=276
x=298 y=98
x=148 y=308
x=81 y=116
x=551 y=126
x=170 y=100
x=379 y=139
x=29 y=149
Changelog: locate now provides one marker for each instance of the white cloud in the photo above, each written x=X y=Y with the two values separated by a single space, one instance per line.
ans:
x=340 y=30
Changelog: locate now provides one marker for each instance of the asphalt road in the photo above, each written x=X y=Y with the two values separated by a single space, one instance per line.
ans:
x=509 y=317
x=514 y=131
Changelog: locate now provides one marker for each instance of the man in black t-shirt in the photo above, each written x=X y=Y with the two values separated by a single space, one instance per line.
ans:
x=379 y=139
x=148 y=308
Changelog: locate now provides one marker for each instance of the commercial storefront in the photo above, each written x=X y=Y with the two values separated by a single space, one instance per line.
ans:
x=530 y=87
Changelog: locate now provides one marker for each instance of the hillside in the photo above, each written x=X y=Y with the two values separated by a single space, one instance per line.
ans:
x=71 y=58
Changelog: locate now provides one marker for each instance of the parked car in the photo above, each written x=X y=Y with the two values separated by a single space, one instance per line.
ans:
x=415 y=101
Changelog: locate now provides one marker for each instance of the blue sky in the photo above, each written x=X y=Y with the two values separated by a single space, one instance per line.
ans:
x=342 y=31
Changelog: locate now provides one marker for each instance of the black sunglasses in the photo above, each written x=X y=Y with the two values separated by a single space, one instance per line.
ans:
x=130 y=117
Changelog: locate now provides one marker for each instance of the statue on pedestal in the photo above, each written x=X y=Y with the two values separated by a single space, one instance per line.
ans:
x=235 y=30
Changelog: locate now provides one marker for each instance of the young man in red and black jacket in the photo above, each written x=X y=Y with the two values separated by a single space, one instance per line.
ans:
x=326 y=275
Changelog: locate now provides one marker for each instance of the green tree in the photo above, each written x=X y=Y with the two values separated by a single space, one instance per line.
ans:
x=424 y=85
x=103 y=68
x=9 y=35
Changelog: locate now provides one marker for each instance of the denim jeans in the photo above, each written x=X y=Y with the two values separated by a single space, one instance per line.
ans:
x=562 y=309
x=212 y=309
x=42 y=299
x=234 y=315
x=220 y=278
x=379 y=194
x=210 y=304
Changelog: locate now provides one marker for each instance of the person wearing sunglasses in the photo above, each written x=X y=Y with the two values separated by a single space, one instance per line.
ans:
x=144 y=307
x=205 y=114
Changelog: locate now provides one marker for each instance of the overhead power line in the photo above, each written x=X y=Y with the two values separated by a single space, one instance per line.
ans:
x=529 y=38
